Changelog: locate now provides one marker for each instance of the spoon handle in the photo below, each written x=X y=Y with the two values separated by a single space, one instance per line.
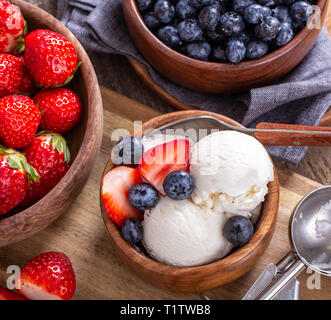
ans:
x=281 y=281
x=292 y=135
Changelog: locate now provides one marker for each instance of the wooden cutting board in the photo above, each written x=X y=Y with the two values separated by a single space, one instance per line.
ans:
x=81 y=233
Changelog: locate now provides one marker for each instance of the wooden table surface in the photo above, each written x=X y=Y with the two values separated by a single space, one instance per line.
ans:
x=114 y=72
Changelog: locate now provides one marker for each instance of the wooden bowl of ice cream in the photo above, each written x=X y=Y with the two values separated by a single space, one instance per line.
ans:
x=202 y=277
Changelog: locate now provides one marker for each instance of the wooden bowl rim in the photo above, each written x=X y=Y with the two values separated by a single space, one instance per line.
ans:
x=245 y=65
x=94 y=113
x=267 y=219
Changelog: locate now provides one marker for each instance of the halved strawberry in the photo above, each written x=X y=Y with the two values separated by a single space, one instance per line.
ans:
x=6 y=294
x=114 y=192
x=156 y=163
x=49 y=276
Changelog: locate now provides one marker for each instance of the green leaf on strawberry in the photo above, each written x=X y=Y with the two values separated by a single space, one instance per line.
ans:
x=3 y=150
x=18 y=161
x=31 y=172
x=72 y=76
x=14 y=164
x=60 y=144
x=20 y=47
x=25 y=30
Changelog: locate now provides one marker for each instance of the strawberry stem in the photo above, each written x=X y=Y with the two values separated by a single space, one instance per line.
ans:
x=18 y=161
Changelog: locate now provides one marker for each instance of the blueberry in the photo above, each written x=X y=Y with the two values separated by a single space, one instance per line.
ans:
x=301 y=11
x=238 y=230
x=198 y=50
x=266 y=12
x=198 y=4
x=282 y=13
x=289 y=2
x=184 y=10
x=214 y=36
x=128 y=152
x=297 y=26
x=219 y=54
x=143 y=196
x=256 y=49
x=240 y=5
x=267 y=3
x=164 y=11
x=254 y=14
x=231 y=24
x=235 y=51
x=189 y=30
x=219 y=5
x=285 y=34
x=132 y=230
x=178 y=185
x=181 y=49
x=244 y=37
x=169 y=36
x=208 y=18
x=267 y=29
x=151 y=21
x=144 y=5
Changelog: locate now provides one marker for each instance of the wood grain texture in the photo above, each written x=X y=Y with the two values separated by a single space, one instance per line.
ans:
x=218 y=77
x=84 y=142
x=81 y=233
x=309 y=138
x=202 y=278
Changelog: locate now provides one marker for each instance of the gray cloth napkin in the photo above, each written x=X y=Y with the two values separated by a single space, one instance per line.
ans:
x=301 y=97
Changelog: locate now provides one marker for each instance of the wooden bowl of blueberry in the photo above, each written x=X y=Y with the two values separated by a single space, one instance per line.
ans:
x=224 y=46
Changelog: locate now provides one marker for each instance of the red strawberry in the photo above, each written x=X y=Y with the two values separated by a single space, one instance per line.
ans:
x=49 y=155
x=19 y=121
x=15 y=175
x=114 y=192
x=11 y=74
x=27 y=85
x=49 y=276
x=6 y=294
x=11 y=26
x=156 y=163
x=61 y=109
x=50 y=58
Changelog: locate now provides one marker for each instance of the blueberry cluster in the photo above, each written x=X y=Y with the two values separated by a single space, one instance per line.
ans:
x=225 y=30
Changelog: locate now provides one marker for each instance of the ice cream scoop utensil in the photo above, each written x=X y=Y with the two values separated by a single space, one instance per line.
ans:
x=310 y=231
x=269 y=134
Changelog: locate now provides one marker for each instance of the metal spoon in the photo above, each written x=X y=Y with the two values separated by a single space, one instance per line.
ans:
x=272 y=134
x=310 y=228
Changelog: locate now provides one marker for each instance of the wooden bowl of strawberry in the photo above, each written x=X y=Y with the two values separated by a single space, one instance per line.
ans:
x=50 y=119
x=184 y=214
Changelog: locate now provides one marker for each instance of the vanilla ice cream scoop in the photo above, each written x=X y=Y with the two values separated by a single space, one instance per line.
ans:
x=180 y=233
x=231 y=171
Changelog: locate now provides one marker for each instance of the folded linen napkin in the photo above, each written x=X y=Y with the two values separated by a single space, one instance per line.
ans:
x=301 y=97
